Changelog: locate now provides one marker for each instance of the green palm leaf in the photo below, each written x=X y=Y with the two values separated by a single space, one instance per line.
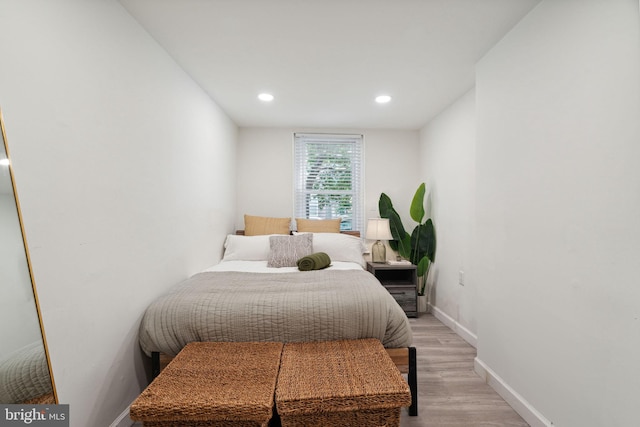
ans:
x=416 y=210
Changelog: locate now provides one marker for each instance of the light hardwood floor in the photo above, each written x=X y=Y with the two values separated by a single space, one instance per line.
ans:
x=450 y=393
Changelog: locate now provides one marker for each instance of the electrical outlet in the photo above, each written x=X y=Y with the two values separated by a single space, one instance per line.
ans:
x=461 y=277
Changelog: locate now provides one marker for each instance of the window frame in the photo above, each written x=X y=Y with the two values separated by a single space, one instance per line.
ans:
x=354 y=147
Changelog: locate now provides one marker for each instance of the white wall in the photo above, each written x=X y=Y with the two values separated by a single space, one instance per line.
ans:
x=558 y=185
x=265 y=170
x=125 y=171
x=447 y=153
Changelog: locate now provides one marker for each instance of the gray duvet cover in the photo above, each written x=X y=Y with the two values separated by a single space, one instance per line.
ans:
x=286 y=307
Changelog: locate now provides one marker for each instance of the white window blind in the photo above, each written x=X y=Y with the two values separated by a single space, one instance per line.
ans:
x=328 y=178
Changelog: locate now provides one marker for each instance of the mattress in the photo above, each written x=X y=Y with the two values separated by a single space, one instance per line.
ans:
x=247 y=301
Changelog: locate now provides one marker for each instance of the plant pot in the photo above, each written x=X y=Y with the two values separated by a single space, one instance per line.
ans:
x=422 y=303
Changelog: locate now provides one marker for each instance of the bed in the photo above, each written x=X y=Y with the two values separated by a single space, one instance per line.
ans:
x=257 y=293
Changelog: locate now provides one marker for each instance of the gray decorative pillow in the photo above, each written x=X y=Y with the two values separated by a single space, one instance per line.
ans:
x=286 y=250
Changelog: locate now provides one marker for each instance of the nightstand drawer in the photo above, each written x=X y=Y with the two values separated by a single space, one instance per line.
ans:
x=405 y=297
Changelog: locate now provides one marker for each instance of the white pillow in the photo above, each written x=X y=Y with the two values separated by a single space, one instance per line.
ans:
x=246 y=248
x=339 y=247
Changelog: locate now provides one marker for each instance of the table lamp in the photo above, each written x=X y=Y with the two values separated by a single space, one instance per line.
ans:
x=378 y=229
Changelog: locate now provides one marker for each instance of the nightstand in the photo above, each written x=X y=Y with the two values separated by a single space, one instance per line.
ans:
x=402 y=283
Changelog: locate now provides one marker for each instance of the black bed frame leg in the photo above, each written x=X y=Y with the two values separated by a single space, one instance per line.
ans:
x=413 y=381
x=155 y=364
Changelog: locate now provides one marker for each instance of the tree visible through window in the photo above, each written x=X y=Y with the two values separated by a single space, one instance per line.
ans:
x=328 y=178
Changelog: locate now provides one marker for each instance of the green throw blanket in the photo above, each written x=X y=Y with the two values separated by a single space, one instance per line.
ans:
x=316 y=261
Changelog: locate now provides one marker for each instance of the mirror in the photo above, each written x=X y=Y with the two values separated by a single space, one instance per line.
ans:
x=25 y=371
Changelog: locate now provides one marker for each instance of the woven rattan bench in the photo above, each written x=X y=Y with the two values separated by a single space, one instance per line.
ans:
x=339 y=383
x=208 y=384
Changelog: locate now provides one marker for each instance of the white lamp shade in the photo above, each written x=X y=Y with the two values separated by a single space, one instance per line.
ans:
x=378 y=229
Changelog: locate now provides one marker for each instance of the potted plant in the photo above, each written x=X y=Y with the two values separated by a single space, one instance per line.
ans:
x=419 y=247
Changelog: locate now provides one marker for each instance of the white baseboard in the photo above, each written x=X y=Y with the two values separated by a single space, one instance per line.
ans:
x=449 y=321
x=517 y=402
x=123 y=420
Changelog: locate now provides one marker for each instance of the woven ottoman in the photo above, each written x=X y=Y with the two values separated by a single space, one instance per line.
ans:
x=339 y=383
x=213 y=384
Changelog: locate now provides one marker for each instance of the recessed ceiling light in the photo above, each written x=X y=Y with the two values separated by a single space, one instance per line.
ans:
x=4 y=162
x=266 y=97
x=383 y=99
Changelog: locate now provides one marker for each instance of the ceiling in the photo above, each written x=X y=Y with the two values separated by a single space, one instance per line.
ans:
x=326 y=60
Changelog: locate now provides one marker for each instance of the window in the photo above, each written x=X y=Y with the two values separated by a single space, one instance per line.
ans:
x=328 y=178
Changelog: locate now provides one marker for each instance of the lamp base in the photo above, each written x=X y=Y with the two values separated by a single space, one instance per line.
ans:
x=379 y=253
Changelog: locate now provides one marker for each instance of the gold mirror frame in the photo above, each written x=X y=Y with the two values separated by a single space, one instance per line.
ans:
x=52 y=397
